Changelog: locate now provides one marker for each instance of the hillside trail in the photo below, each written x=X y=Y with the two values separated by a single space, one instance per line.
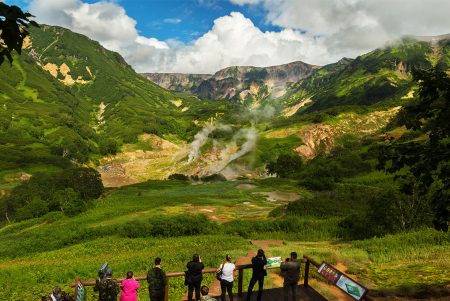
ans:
x=214 y=288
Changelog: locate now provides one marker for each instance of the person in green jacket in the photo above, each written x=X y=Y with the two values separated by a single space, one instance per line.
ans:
x=107 y=288
x=157 y=280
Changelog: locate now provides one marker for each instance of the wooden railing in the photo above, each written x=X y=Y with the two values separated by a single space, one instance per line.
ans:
x=240 y=268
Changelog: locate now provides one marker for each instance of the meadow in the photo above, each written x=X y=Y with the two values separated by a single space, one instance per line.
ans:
x=130 y=226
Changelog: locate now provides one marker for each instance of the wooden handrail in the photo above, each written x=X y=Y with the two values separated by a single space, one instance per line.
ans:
x=315 y=263
x=239 y=268
x=168 y=275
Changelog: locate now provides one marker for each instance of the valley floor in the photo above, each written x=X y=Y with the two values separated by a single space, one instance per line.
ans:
x=38 y=254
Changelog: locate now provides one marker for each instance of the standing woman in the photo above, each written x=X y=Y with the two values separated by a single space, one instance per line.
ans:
x=195 y=268
x=226 y=278
x=129 y=288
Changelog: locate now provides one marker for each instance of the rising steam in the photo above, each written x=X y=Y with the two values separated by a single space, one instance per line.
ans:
x=242 y=142
x=201 y=138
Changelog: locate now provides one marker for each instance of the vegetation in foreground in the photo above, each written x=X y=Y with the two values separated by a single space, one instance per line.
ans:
x=134 y=224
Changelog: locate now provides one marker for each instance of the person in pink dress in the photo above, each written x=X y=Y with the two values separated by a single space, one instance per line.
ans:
x=129 y=288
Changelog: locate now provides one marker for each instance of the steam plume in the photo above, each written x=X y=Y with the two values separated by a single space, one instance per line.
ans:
x=201 y=138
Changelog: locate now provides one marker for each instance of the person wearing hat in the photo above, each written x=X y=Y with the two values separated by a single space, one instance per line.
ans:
x=57 y=295
x=107 y=288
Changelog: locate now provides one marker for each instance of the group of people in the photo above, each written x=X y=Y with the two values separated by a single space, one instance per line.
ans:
x=109 y=289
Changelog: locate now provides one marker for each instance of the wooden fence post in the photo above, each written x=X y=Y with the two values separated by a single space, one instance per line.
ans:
x=240 y=281
x=305 y=283
x=166 y=292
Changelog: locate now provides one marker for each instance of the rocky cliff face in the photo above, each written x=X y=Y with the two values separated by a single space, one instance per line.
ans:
x=177 y=81
x=238 y=83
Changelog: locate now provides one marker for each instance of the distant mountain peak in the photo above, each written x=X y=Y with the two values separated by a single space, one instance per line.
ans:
x=237 y=83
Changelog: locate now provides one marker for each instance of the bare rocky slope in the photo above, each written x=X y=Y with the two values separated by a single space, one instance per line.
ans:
x=237 y=83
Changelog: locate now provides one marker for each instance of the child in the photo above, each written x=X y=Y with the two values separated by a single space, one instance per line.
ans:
x=205 y=291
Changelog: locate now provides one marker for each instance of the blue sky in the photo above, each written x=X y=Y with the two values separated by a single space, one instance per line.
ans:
x=183 y=20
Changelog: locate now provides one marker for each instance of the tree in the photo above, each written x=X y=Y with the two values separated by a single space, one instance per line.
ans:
x=86 y=181
x=70 y=202
x=13 y=24
x=426 y=160
x=108 y=146
x=286 y=166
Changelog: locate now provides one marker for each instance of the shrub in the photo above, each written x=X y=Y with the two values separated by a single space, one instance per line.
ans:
x=108 y=146
x=169 y=226
x=217 y=177
x=285 y=166
x=179 y=177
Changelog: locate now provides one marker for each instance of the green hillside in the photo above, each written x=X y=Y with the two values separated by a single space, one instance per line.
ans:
x=137 y=223
x=337 y=178
x=380 y=77
x=67 y=99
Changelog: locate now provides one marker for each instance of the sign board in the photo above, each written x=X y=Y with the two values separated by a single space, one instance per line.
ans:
x=273 y=262
x=346 y=284
x=81 y=293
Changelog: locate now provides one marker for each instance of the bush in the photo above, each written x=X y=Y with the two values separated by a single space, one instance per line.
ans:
x=108 y=146
x=169 y=226
x=214 y=178
x=286 y=166
x=69 y=190
x=35 y=208
x=178 y=177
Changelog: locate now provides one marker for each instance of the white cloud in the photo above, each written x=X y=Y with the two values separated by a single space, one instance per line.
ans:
x=172 y=21
x=351 y=27
x=314 y=31
x=235 y=40
x=105 y=22
x=244 y=2
x=152 y=42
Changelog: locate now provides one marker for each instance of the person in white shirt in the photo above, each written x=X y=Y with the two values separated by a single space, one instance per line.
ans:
x=226 y=271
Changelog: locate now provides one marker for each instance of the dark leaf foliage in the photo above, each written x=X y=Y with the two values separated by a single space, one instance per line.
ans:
x=13 y=24
x=427 y=160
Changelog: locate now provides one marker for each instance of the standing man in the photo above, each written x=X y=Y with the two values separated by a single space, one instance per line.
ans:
x=107 y=288
x=290 y=270
x=258 y=263
x=157 y=281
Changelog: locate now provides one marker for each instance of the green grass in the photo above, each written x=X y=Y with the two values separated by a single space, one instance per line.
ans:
x=32 y=276
x=40 y=253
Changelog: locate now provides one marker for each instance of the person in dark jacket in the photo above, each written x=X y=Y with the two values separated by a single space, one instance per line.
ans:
x=258 y=263
x=107 y=288
x=290 y=270
x=157 y=280
x=194 y=276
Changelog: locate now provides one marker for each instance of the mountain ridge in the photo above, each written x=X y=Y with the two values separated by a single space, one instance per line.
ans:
x=236 y=83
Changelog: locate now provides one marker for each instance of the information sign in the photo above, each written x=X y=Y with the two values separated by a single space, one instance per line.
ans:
x=273 y=262
x=346 y=284
x=351 y=287
x=81 y=294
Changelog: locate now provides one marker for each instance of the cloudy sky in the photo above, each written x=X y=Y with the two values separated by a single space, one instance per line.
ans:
x=203 y=36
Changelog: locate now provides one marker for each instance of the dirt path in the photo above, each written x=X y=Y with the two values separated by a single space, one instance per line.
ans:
x=214 y=288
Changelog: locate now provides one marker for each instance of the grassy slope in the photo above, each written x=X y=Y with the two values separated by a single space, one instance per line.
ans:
x=54 y=249
x=375 y=78
x=38 y=111
x=132 y=101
